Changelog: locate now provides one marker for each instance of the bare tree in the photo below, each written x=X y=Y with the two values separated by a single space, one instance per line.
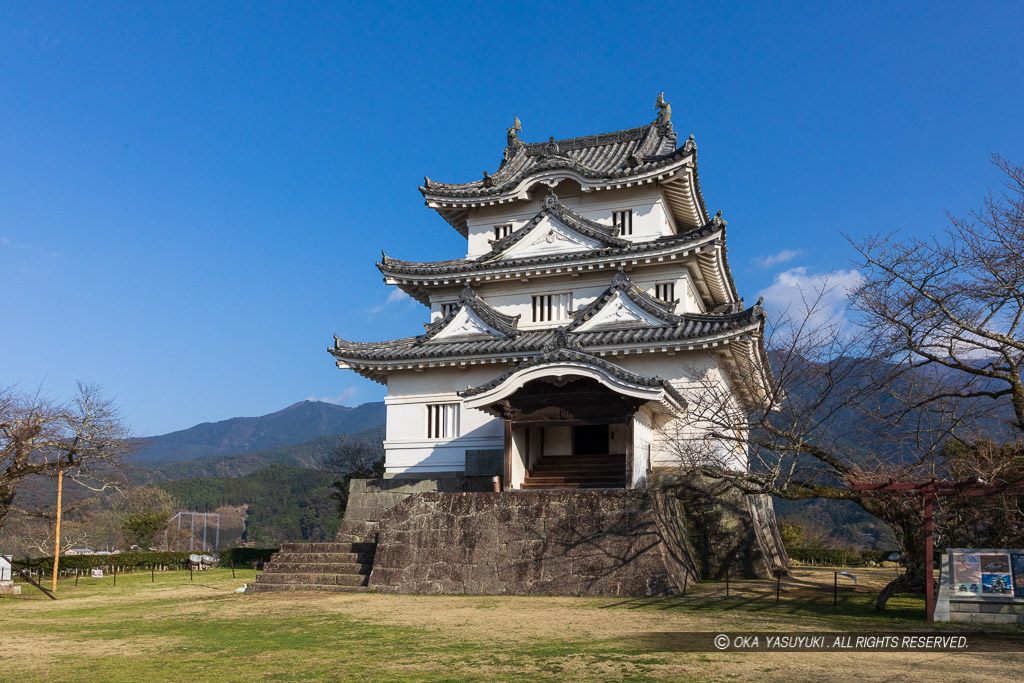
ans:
x=955 y=303
x=354 y=457
x=86 y=439
x=933 y=358
x=830 y=418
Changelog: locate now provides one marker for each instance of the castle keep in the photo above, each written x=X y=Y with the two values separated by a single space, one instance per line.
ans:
x=595 y=292
x=594 y=295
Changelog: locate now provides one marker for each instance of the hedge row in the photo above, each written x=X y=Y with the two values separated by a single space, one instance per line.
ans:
x=246 y=556
x=129 y=560
x=145 y=559
x=836 y=557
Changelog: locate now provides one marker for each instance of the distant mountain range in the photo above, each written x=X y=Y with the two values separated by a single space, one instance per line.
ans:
x=299 y=423
x=311 y=454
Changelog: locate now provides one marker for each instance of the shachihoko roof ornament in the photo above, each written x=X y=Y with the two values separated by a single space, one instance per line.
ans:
x=664 y=110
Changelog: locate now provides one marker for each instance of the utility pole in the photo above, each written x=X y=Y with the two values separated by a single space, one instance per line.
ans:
x=56 y=539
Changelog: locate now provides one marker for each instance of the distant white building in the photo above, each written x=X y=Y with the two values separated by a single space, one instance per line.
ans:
x=594 y=295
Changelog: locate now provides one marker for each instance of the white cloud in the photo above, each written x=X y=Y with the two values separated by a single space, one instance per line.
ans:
x=819 y=297
x=776 y=259
x=394 y=297
x=345 y=397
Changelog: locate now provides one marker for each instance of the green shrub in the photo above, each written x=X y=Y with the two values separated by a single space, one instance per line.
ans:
x=245 y=556
x=129 y=560
x=836 y=557
x=825 y=556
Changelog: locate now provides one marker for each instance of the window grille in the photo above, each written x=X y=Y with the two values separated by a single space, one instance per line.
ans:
x=442 y=420
x=666 y=291
x=623 y=221
x=502 y=231
x=550 y=307
x=448 y=308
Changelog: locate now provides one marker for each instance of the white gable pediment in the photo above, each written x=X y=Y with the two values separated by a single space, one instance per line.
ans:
x=550 y=236
x=464 y=325
x=620 y=310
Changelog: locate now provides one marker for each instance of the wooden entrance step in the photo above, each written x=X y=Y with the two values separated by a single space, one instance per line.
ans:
x=577 y=472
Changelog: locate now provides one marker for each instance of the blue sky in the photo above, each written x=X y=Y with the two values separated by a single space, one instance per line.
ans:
x=192 y=196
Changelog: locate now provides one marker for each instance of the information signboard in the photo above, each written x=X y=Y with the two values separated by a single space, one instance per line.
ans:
x=1017 y=562
x=988 y=574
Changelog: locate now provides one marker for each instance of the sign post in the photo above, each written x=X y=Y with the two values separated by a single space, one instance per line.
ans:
x=929 y=491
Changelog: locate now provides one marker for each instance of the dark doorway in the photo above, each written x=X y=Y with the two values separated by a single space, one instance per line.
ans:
x=590 y=440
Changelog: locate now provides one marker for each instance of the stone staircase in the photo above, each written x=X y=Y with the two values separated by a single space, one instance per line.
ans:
x=577 y=472
x=339 y=567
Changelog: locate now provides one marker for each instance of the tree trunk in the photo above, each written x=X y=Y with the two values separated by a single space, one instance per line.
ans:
x=6 y=501
x=907 y=521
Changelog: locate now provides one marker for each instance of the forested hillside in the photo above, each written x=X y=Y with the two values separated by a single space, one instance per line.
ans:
x=298 y=423
x=284 y=503
x=310 y=454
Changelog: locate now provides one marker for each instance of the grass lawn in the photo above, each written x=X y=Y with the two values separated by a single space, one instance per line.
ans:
x=176 y=629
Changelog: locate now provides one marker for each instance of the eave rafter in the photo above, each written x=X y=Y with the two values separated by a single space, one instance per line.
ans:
x=706 y=333
x=680 y=248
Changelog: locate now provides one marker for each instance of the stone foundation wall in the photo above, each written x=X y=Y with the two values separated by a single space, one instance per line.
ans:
x=524 y=543
x=369 y=499
x=435 y=537
x=727 y=529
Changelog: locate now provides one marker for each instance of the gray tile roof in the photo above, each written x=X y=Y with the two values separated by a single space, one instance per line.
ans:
x=604 y=234
x=688 y=327
x=561 y=349
x=621 y=283
x=504 y=324
x=620 y=154
x=616 y=247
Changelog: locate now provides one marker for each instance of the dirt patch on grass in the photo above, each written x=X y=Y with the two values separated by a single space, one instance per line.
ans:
x=176 y=629
x=40 y=652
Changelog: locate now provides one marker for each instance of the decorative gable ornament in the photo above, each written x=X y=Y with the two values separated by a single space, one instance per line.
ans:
x=620 y=310
x=551 y=236
x=466 y=324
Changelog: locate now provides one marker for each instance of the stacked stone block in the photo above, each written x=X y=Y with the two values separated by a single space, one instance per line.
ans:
x=340 y=567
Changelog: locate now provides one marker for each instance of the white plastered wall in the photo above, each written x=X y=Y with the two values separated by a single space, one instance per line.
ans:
x=642 y=447
x=514 y=297
x=406 y=446
x=408 y=451
x=651 y=217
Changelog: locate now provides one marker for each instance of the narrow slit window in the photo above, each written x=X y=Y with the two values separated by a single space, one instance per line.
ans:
x=502 y=231
x=623 y=222
x=448 y=308
x=666 y=291
x=442 y=420
x=552 y=307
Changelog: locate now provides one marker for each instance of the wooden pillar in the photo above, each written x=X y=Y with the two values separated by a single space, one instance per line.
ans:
x=629 y=452
x=507 y=464
x=56 y=536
